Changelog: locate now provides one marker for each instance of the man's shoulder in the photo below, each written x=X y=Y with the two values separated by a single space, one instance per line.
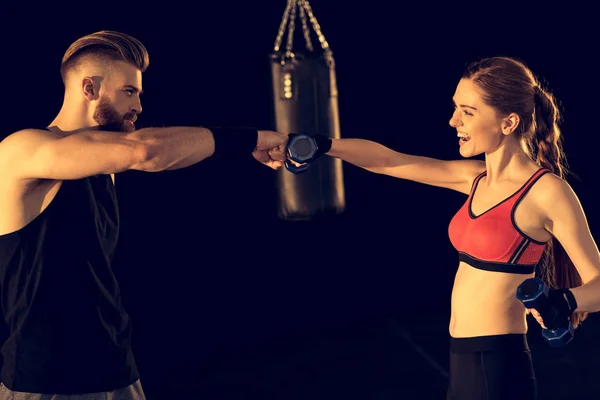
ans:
x=25 y=136
x=30 y=132
x=12 y=149
x=18 y=143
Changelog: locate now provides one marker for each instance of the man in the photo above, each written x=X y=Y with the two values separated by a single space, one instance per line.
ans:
x=68 y=331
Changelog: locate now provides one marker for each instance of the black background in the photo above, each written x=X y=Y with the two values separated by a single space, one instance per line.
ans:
x=227 y=298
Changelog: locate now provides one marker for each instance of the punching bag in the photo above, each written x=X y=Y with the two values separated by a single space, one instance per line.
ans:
x=305 y=99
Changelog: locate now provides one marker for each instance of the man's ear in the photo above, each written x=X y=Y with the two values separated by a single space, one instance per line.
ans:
x=510 y=123
x=89 y=88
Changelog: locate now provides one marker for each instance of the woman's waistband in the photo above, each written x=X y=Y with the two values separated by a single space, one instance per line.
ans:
x=513 y=341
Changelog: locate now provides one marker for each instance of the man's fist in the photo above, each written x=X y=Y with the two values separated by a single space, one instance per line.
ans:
x=270 y=148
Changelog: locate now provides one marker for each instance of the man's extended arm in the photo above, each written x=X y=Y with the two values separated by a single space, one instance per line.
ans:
x=38 y=154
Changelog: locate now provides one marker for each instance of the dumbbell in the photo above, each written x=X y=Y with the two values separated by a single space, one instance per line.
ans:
x=533 y=293
x=302 y=149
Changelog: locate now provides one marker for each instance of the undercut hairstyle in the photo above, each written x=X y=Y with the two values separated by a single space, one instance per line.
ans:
x=101 y=48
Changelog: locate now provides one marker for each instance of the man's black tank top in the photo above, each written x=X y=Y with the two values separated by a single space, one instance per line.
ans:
x=67 y=329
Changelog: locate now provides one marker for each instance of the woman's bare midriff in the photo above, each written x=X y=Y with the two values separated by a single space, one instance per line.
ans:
x=484 y=303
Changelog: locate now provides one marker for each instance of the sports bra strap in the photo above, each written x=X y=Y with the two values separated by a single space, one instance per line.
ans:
x=475 y=181
x=534 y=178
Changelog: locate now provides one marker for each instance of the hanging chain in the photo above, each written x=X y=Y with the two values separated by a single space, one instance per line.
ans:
x=316 y=26
x=305 y=28
x=291 y=3
x=290 y=12
x=292 y=27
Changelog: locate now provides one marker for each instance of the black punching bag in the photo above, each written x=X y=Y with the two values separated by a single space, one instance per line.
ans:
x=305 y=99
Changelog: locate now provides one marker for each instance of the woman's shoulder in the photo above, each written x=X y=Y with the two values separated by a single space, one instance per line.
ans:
x=551 y=191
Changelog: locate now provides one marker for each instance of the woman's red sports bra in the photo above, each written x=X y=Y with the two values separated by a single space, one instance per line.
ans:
x=492 y=241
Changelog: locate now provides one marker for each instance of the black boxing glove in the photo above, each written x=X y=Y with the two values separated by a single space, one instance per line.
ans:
x=560 y=306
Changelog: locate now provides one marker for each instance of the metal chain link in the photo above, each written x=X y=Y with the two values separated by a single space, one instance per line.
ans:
x=305 y=28
x=282 y=24
x=316 y=26
x=290 y=12
x=292 y=27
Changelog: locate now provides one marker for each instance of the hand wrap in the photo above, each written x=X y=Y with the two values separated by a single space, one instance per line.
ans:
x=233 y=142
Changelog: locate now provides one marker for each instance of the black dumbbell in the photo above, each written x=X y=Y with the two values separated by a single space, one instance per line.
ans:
x=302 y=149
x=533 y=293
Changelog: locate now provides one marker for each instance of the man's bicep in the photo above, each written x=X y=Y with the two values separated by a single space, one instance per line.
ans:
x=32 y=154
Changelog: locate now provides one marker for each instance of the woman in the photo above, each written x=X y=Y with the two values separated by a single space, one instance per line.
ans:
x=520 y=213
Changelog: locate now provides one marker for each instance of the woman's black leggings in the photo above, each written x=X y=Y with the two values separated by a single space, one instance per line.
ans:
x=491 y=368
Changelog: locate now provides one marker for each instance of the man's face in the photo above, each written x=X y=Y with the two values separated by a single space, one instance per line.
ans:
x=119 y=102
x=110 y=119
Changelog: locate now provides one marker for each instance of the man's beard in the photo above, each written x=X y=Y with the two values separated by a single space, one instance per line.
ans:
x=109 y=119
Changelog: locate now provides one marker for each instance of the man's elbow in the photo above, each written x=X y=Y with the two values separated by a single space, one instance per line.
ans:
x=146 y=156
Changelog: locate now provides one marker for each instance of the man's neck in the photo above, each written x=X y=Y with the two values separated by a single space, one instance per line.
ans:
x=70 y=118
